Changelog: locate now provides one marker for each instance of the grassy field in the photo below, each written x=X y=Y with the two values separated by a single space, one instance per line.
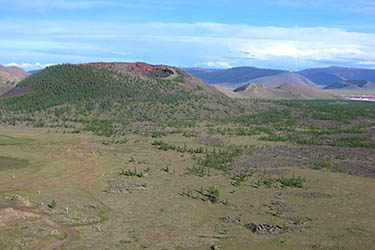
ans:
x=7 y=140
x=138 y=195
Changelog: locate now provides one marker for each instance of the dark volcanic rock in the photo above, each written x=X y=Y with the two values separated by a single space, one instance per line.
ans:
x=263 y=228
x=16 y=92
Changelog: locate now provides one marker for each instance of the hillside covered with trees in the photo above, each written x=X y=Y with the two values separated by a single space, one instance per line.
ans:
x=90 y=96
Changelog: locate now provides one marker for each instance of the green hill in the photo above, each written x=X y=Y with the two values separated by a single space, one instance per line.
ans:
x=80 y=95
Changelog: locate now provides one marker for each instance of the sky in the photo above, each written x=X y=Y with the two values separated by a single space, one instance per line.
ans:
x=280 y=34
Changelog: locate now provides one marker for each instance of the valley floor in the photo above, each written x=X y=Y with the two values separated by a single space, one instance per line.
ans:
x=139 y=196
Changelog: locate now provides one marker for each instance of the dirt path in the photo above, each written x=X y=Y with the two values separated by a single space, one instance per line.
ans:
x=69 y=232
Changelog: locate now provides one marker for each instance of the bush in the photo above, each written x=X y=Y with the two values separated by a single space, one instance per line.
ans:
x=52 y=205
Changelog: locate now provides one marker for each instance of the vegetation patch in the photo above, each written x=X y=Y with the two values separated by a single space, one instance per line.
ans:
x=7 y=163
x=211 y=194
x=7 y=140
x=268 y=181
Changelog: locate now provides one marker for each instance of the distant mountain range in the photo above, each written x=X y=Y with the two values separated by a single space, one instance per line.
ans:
x=234 y=77
x=271 y=78
x=34 y=71
x=332 y=75
x=352 y=84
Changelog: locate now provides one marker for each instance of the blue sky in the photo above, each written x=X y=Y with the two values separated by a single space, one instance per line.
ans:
x=283 y=34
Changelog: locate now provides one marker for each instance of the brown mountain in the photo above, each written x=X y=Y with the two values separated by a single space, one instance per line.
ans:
x=11 y=75
x=285 y=91
x=228 y=92
x=285 y=77
x=294 y=91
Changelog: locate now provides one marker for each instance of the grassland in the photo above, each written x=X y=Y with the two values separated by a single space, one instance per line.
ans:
x=7 y=140
x=227 y=184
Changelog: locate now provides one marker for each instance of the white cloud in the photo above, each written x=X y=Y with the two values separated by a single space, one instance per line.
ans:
x=367 y=63
x=218 y=64
x=29 y=66
x=264 y=43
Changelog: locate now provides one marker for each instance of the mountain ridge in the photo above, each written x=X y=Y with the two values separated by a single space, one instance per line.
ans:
x=352 y=85
x=313 y=77
x=330 y=75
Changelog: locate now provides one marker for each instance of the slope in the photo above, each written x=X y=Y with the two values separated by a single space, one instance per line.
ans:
x=285 y=91
x=294 y=91
x=11 y=75
x=331 y=75
x=228 y=92
x=258 y=91
x=285 y=77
